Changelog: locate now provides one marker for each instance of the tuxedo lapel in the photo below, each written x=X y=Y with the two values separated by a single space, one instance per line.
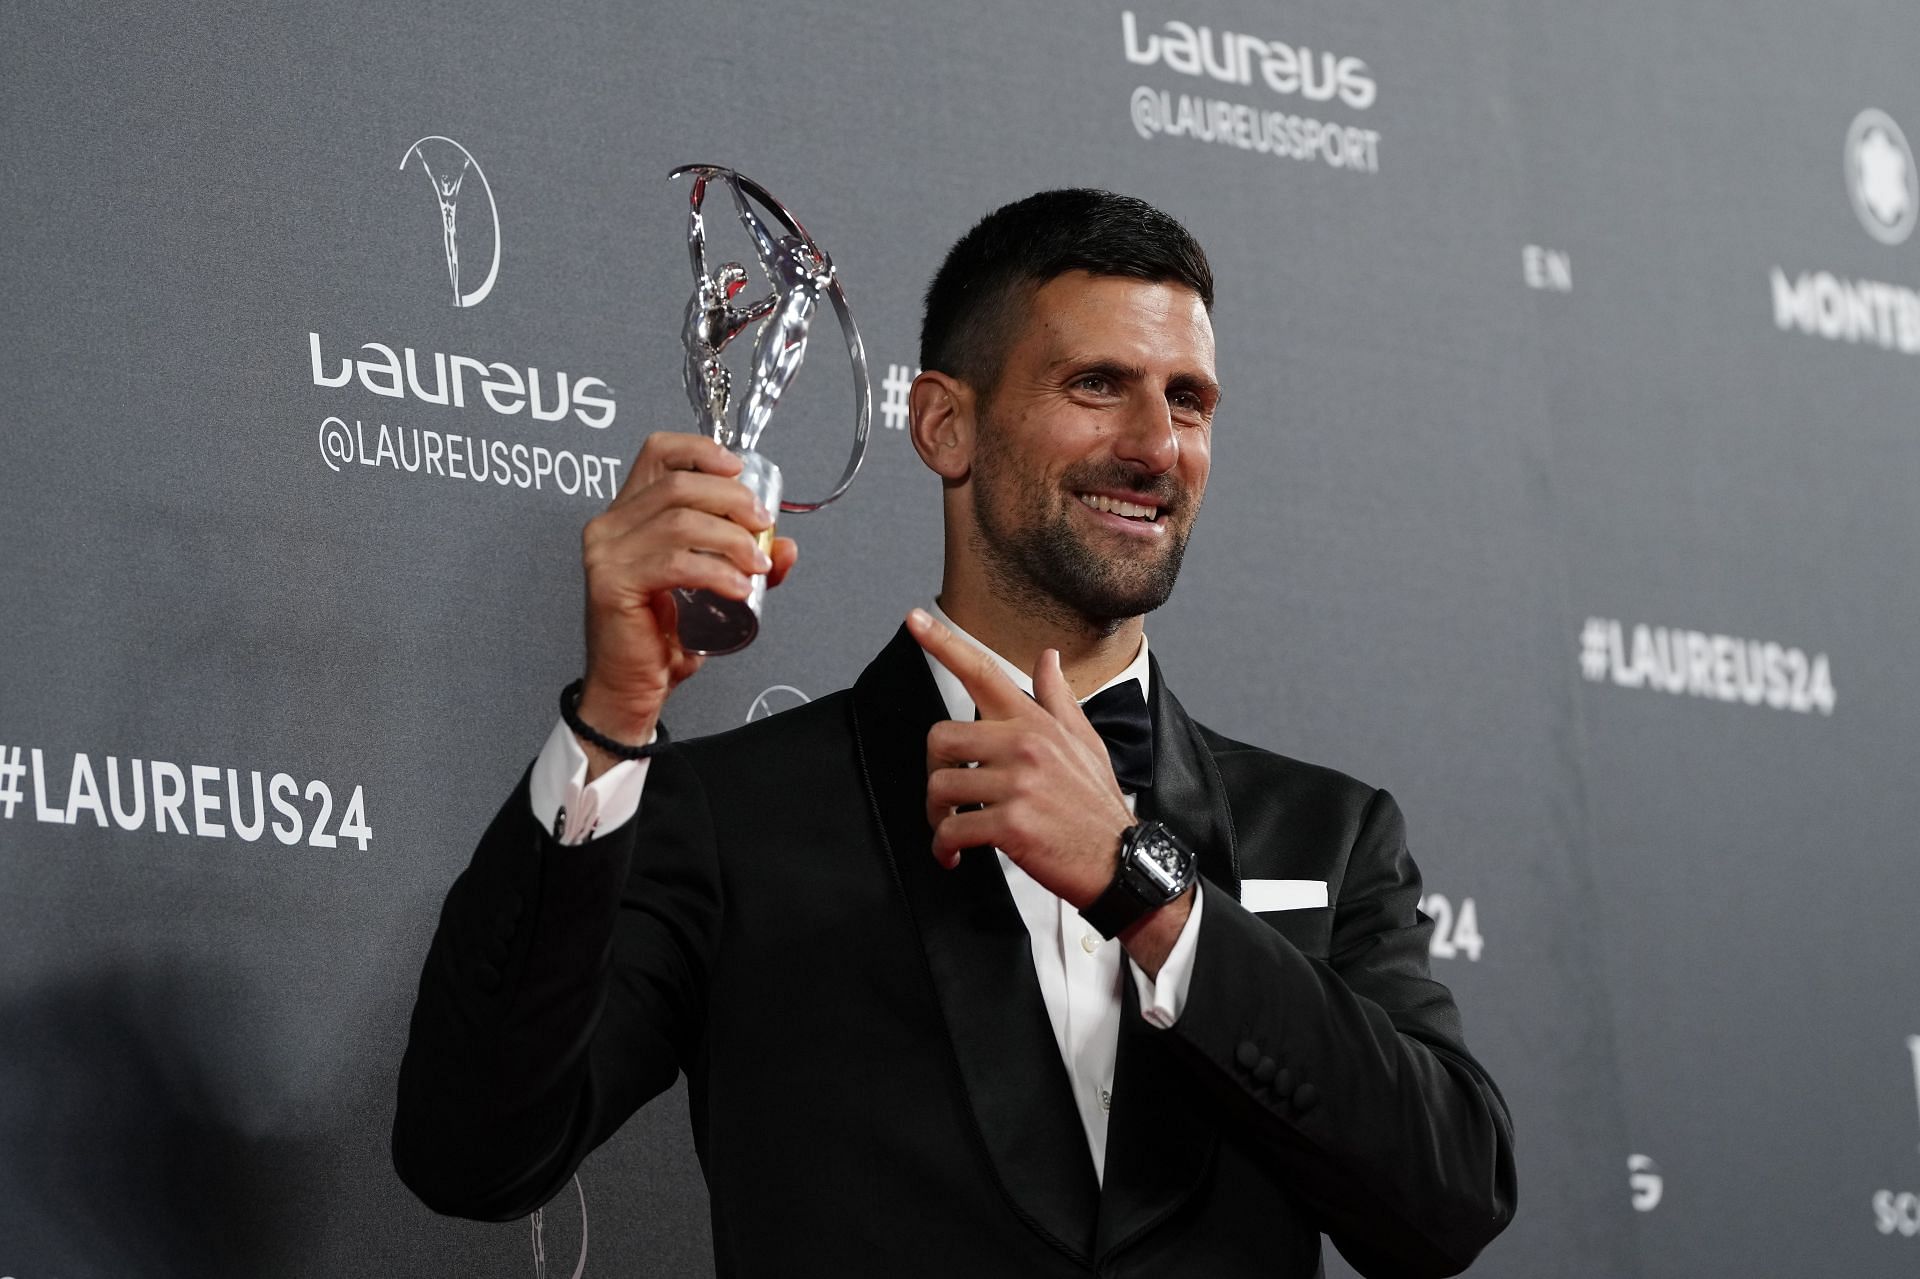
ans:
x=1187 y=793
x=981 y=962
x=1160 y=1136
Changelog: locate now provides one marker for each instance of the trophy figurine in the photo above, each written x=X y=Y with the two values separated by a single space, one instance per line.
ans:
x=801 y=276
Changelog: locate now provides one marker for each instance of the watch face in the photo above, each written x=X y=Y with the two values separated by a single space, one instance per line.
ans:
x=1161 y=863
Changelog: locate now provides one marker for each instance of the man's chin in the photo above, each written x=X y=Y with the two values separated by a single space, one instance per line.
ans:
x=1110 y=610
x=1114 y=584
x=1117 y=596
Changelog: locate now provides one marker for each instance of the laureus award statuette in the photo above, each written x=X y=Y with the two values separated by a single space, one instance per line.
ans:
x=800 y=275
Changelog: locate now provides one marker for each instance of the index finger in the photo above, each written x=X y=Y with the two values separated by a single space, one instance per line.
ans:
x=666 y=451
x=996 y=696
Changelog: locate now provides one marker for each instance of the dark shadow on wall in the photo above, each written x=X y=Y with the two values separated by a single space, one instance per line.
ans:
x=121 y=1152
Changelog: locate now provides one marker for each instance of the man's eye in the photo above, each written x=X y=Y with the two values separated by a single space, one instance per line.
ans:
x=1097 y=383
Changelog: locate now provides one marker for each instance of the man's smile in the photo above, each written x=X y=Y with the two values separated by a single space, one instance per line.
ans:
x=1131 y=515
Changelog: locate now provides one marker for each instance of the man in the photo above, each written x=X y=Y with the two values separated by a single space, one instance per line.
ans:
x=960 y=984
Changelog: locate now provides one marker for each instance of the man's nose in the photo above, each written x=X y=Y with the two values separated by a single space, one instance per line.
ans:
x=1148 y=439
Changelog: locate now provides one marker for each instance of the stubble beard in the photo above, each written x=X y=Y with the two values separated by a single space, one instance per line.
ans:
x=1048 y=566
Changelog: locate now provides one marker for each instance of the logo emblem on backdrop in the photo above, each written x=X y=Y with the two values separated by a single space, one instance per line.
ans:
x=781 y=697
x=1266 y=126
x=1913 y=1046
x=457 y=182
x=1898 y=1211
x=1883 y=185
x=1882 y=180
x=1644 y=1179
x=537 y=1223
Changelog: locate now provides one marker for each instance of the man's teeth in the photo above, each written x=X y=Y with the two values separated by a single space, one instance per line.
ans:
x=1113 y=506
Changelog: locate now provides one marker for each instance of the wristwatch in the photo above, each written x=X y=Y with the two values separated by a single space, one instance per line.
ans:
x=1155 y=868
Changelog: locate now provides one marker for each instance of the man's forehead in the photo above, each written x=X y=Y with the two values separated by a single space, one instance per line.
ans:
x=1078 y=308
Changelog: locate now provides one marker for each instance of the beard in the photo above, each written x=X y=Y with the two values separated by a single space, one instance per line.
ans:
x=1042 y=560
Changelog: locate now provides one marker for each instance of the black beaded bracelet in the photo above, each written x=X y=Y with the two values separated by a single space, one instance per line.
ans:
x=570 y=712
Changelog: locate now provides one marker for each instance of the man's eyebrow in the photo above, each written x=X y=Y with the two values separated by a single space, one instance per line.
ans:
x=1119 y=370
x=1198 y=382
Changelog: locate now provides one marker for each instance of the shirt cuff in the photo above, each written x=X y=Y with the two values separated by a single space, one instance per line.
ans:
x=1162 y=999
x=573 y=809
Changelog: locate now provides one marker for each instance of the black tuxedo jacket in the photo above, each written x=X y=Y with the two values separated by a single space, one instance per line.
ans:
x=874 y=1083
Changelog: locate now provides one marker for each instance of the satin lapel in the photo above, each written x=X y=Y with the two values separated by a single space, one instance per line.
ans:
x=1160 y=1136
x=981 y=963
x=1187 y=793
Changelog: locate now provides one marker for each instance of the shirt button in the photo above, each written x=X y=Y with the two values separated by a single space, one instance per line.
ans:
x=1091 y=942
x=1106 y=1100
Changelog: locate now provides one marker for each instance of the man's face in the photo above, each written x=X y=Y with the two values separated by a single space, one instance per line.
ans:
x=1092 y=451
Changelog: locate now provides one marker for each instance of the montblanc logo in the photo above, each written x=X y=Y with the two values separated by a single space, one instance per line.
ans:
x=1882 y=180
x=1234 y=58
x=1883 y=184
x=449 y=168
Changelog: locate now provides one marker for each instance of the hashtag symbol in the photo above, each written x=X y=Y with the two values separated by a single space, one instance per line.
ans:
x=11 y=771
x=893 y=408
x=1593 y=649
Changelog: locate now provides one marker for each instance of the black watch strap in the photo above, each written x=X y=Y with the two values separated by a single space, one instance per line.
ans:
x=1154 y=869
x=1117 y=909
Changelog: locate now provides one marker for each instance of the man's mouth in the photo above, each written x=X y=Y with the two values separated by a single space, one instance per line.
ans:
x=1145 y=512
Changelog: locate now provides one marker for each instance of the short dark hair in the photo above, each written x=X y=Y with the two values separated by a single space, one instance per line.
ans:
x=1019 y=247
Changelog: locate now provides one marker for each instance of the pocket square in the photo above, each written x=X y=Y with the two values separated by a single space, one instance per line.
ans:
x=1260 y=895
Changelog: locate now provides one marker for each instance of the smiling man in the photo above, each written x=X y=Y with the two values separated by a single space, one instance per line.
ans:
x=967 y=975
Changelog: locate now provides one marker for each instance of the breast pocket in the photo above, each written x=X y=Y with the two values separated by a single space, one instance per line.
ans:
x=1310 y=928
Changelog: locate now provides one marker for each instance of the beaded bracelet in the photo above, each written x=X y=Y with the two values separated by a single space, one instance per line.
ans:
x=570 y=712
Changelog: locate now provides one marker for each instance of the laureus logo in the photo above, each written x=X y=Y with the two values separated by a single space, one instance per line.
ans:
x=448 y=167
x=781 y=697
x=1882 y=180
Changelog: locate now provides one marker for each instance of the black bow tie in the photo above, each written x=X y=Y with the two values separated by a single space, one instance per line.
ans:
x=1119 y=715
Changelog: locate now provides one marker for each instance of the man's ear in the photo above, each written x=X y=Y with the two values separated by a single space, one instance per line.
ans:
x=942 y=417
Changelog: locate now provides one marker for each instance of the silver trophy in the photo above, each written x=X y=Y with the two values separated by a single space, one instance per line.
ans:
x=800 y=274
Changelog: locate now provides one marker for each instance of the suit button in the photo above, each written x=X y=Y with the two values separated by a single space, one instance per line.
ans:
x=1305 y=1098
x=1283 y=1082
x=503 y=928
x=1248 y=1055
x=488 y=975
x=1264 y=1071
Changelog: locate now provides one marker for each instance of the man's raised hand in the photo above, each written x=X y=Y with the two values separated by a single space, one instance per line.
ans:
x=681 y=519
x=1037 y=769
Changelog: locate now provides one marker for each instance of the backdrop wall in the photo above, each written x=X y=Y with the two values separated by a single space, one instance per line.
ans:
x=1565 y=485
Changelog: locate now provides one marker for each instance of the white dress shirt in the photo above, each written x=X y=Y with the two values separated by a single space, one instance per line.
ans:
x=1079 y=972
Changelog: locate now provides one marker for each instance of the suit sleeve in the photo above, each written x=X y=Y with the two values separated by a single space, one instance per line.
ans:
x=565 y=986
x=1351 y=1072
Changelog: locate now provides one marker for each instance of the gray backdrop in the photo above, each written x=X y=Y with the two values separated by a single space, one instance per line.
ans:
x=1565 y=485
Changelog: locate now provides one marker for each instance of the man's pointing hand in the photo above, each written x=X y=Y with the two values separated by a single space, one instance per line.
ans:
x=1030 y=777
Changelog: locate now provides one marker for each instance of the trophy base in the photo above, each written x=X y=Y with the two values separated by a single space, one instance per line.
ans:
x=712 y=625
